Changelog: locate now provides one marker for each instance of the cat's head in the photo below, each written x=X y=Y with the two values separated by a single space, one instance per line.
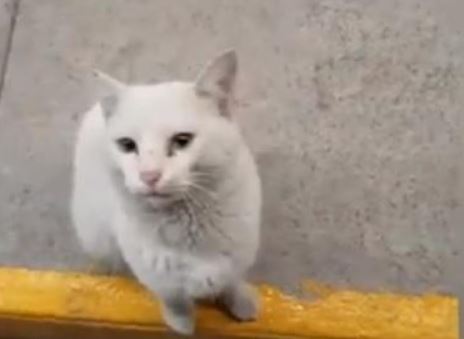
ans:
x=170 y=139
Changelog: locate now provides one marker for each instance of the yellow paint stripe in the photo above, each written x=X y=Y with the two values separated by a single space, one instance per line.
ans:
x=118 y=302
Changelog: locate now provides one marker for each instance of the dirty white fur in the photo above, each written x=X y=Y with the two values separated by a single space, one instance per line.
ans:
x=198 y=240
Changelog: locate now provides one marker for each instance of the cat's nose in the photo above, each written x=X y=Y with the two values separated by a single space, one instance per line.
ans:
x=150 y=177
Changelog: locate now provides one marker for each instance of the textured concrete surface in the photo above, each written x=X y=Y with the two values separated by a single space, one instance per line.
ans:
x=5 y=18
x=7 y=12
x=354 y=109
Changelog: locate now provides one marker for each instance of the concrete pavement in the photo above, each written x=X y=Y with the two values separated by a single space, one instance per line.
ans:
x=354 y=110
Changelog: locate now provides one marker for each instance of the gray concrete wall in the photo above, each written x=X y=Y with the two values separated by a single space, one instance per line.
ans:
x=353 y=108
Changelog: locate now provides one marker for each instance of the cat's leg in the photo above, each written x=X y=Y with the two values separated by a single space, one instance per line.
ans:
x=107 y=257
x=91 y=214
x=100 y=247
x=109 y=263
x=178 y=312
x=241 y=301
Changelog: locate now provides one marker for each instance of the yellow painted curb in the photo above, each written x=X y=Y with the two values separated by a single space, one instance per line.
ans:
x=46 y=303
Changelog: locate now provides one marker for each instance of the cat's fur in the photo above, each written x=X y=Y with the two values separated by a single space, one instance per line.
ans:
x=199 y=240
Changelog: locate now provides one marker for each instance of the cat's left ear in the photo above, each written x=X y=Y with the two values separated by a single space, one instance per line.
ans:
x=110 y=91
x=217 y=80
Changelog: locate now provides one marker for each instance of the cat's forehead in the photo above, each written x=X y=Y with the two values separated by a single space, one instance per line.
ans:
x=168 y=105
x=173 y=98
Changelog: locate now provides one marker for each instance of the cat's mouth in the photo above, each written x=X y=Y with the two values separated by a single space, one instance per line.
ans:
x=158 y=195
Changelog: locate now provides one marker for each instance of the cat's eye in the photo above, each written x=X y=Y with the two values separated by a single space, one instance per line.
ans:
x=126 y=145
x=180 y=141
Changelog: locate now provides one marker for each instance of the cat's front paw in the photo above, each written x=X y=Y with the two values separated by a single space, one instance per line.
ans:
x=178 y=315
x=181 y=325
x=241 y=302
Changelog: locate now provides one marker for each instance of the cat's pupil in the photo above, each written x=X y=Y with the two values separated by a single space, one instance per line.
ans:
x=181 y=140
x=127 y=145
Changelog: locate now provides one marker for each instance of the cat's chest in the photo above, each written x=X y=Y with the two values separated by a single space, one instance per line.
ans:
x=166 y=261
x=184 y=229
x=163 y=249
x=198 y=276
x=173 y=250
x=174 y=240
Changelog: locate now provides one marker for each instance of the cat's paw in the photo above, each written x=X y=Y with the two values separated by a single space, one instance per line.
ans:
x=181 y=325
x=178 y=315
x=241 y=302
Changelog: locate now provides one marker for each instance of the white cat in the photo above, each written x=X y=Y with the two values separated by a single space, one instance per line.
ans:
x=164 y=182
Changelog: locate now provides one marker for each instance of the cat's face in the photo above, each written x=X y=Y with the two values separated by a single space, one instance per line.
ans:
x=170 y=139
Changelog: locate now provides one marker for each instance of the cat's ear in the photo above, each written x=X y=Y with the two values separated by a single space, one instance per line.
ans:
x=217 y=80
x=109 y=90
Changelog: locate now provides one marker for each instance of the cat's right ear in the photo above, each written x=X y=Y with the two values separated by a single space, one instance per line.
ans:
x=110 y=91
x=217 y=80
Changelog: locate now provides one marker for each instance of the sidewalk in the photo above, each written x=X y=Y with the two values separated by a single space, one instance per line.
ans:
x=353 y=108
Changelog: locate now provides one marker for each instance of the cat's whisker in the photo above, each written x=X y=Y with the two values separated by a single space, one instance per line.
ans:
x=184 y=188
x=203 y=189
x=208 y=198
x=204 y=176
x=203 y=202
x=201 y=205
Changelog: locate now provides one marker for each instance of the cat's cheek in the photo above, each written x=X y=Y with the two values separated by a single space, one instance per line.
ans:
x=172 y=176
x=135 y=186
x=186 y=165
x=128 y=166
x=133 y=183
